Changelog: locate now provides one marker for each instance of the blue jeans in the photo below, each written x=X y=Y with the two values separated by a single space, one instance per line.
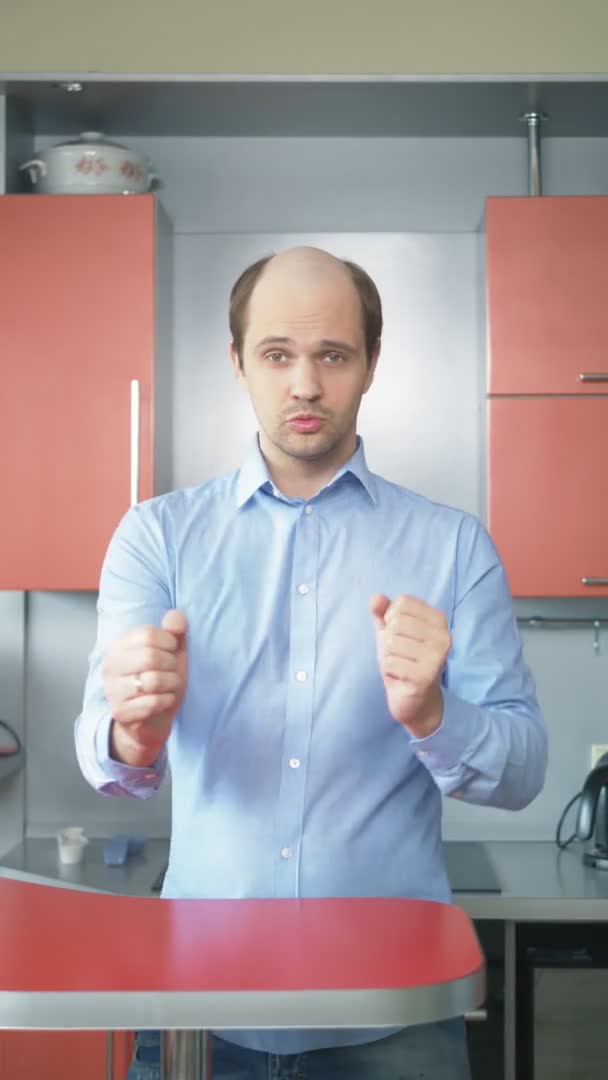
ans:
x=424 y=1052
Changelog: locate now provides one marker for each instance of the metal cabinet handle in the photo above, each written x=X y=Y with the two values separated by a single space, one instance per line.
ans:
x=134 y=441
x=593 y=376
x=595 y=580
x=475 y=1016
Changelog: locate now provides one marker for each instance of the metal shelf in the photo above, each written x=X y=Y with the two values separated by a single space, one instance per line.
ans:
x=551 y=620
x=556 y=622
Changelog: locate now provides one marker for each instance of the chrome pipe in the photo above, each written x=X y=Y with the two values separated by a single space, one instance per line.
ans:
x=533 y=120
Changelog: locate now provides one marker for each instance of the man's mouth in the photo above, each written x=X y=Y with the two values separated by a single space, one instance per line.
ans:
x=305 y=422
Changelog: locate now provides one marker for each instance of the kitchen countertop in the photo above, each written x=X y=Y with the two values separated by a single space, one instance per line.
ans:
x=36 y=860
x=538 y=881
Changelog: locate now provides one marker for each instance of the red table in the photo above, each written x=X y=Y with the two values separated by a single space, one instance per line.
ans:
x=78 y=960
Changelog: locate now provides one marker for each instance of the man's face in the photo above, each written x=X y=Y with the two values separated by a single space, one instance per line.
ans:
x=304 y=360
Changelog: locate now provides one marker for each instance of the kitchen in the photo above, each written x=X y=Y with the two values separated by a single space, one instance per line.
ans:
x=395 y=175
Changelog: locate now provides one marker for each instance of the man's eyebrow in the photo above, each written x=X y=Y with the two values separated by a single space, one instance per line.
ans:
x=273 y=341
x=321 y=346
x=339 y=346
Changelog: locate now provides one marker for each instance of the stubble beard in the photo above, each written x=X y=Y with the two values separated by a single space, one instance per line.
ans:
x=314 y=447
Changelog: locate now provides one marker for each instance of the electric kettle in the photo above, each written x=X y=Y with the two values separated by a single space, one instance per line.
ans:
x=593 y=815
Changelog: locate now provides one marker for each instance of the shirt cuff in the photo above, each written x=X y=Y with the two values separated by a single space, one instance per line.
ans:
x=444 y=750
x=131 y=778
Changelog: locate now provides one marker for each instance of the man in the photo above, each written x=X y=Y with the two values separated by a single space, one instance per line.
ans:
x=323 y=654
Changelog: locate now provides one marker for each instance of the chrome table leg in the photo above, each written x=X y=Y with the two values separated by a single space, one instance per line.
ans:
x=186 y=1055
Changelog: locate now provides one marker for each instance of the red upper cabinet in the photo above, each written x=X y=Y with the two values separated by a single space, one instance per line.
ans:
x=547 y=282
x=80 y=311
x=548 y=493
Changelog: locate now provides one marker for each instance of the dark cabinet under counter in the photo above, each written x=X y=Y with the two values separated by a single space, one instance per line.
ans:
x=486 y=1029
x=561 y=996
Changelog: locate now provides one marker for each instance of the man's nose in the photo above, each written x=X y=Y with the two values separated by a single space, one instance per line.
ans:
x=305 y=382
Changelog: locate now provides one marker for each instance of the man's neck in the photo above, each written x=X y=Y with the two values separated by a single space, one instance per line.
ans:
x=301 y=479
x=298 y=486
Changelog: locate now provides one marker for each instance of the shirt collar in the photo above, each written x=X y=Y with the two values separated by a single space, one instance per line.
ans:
x=254 y=474
x=357 y=467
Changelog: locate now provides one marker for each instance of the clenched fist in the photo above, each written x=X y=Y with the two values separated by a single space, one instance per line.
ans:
x=144 y=678
x=413 y=643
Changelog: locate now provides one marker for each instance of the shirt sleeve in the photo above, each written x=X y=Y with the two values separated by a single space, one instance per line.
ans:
x=134 y=590
x=491 y=746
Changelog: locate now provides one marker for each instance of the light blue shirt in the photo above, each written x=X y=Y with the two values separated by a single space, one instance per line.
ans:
x=289 y=776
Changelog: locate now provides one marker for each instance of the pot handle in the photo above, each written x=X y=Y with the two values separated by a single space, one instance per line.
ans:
x=36 y=168
x=154 y=181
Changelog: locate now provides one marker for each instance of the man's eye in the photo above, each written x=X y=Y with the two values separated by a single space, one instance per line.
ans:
x=333 y=358
x=275 y=357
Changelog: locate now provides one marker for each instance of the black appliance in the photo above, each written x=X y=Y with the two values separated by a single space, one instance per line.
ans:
x=592 y=817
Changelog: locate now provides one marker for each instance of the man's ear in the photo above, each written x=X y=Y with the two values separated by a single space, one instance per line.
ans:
x=235 y=360
x=371 y=367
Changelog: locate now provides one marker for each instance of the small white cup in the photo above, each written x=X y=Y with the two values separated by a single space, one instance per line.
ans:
x=71 y=843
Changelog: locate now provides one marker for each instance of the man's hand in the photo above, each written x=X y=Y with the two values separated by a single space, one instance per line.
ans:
x=413 y=643
x=144 y=677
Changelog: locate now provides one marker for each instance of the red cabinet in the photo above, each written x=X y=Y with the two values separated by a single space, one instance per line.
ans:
x=79 y=313
x=548 y=493
x=547 y=284
x=62 y=1055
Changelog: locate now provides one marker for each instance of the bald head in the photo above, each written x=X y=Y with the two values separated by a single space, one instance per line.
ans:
x=301 y=289
x=305 y=264
x=306 y=280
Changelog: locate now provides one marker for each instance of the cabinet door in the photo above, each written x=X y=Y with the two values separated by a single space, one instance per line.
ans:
x=548 y=493
x=547 y=283
x=77 y=307
x=62 y=1055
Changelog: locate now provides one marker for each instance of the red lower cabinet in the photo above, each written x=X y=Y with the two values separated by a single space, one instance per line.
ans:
x=62 y=1055
x=548 y=493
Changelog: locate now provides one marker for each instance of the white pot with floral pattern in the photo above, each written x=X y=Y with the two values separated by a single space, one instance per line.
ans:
x=90 y=165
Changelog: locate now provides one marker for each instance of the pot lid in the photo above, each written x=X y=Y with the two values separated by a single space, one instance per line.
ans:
x=90 y=138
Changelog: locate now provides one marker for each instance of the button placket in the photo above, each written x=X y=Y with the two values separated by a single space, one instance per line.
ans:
x=298 y=719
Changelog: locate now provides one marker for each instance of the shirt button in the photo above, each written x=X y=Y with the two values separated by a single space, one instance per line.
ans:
x=423 y=753
x=308 y=509
x=294 y=763
x=286 y=853
x=302 y=589
x=301 y=676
